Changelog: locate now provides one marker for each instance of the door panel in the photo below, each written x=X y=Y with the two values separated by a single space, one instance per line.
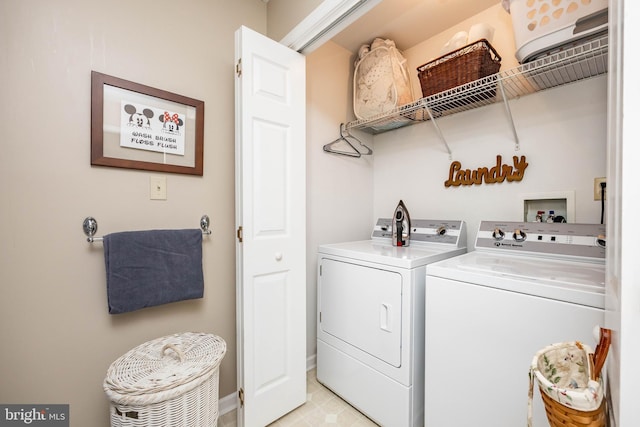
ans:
x=271 y=295
x=270 y=212
x=270 y=179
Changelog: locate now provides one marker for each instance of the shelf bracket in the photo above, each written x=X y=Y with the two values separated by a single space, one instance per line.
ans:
x=509 y=116
x=438 y=131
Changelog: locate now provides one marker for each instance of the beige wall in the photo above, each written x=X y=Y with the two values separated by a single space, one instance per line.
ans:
x=57 y=336
x=558 y=127
x=339 y=188
x=284 y=15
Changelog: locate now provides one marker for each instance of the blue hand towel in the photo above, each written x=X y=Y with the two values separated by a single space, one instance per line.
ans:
x=148 y=268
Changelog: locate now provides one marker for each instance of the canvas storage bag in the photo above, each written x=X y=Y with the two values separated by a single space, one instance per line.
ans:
x=380 y=80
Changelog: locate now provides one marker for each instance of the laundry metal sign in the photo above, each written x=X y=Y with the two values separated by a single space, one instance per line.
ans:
x=487 y=175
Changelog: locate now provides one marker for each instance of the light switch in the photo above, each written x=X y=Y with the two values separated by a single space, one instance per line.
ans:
x=158 y=187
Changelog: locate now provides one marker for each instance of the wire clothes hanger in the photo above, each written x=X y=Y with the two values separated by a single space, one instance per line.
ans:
x=344 y=138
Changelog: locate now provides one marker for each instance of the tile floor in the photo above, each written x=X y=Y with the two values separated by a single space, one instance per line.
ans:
x=322 y=409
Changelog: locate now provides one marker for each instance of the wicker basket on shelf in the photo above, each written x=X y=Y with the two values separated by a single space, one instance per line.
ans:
x=469 y=63
x=169 y=381
x=570 y=384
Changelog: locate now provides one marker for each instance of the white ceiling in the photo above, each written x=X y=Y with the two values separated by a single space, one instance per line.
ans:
x=408 y=22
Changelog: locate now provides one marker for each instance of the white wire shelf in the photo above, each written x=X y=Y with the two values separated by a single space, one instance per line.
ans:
x=580 y=62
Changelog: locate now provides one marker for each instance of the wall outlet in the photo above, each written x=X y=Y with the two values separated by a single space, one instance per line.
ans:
x=597 y=190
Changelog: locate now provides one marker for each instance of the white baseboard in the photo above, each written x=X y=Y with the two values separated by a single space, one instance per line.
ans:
x=311 y=362
x=227 y=403
x=230 y=402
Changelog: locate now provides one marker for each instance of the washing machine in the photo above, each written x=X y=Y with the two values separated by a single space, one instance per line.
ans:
x=371 y=318
x=525 y=286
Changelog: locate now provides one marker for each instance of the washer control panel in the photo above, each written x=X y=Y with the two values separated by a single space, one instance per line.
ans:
x=426 y=231
x=579 y=240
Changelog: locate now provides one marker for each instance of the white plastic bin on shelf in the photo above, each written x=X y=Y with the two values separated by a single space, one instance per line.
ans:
x=169 y=381
x=539 y=26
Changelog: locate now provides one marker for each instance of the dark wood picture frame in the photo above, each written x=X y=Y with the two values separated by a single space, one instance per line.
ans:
x=105 y=146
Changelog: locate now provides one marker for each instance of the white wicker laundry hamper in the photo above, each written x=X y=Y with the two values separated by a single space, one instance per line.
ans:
x=170 y=381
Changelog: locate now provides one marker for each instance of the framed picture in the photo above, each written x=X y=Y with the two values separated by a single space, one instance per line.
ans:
x=139 y=127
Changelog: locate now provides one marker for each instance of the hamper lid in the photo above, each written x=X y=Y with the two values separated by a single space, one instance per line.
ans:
x=164 y=368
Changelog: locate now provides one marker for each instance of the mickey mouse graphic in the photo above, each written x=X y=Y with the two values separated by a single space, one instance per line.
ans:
x=171 y=123
x=141 y=120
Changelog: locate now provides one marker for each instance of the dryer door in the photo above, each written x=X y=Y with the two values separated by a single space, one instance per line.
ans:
x=362 y=306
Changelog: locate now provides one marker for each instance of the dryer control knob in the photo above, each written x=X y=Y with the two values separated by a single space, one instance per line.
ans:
x=519 y=235
x=441 y=231
x=498 y=234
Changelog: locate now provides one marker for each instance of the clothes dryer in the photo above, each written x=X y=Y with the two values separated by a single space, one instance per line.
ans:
x=371 y=318
x=526 y=285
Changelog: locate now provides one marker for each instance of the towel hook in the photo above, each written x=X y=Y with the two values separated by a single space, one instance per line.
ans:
x=204 y=224
x=90 y=227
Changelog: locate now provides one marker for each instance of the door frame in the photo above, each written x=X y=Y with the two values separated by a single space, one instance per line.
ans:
x=327 y=20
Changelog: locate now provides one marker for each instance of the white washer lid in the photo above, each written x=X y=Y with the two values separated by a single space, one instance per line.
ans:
x=573 y=281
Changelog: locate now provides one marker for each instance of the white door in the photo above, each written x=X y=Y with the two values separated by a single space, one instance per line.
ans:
x=623 y=269
x=270 y=216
